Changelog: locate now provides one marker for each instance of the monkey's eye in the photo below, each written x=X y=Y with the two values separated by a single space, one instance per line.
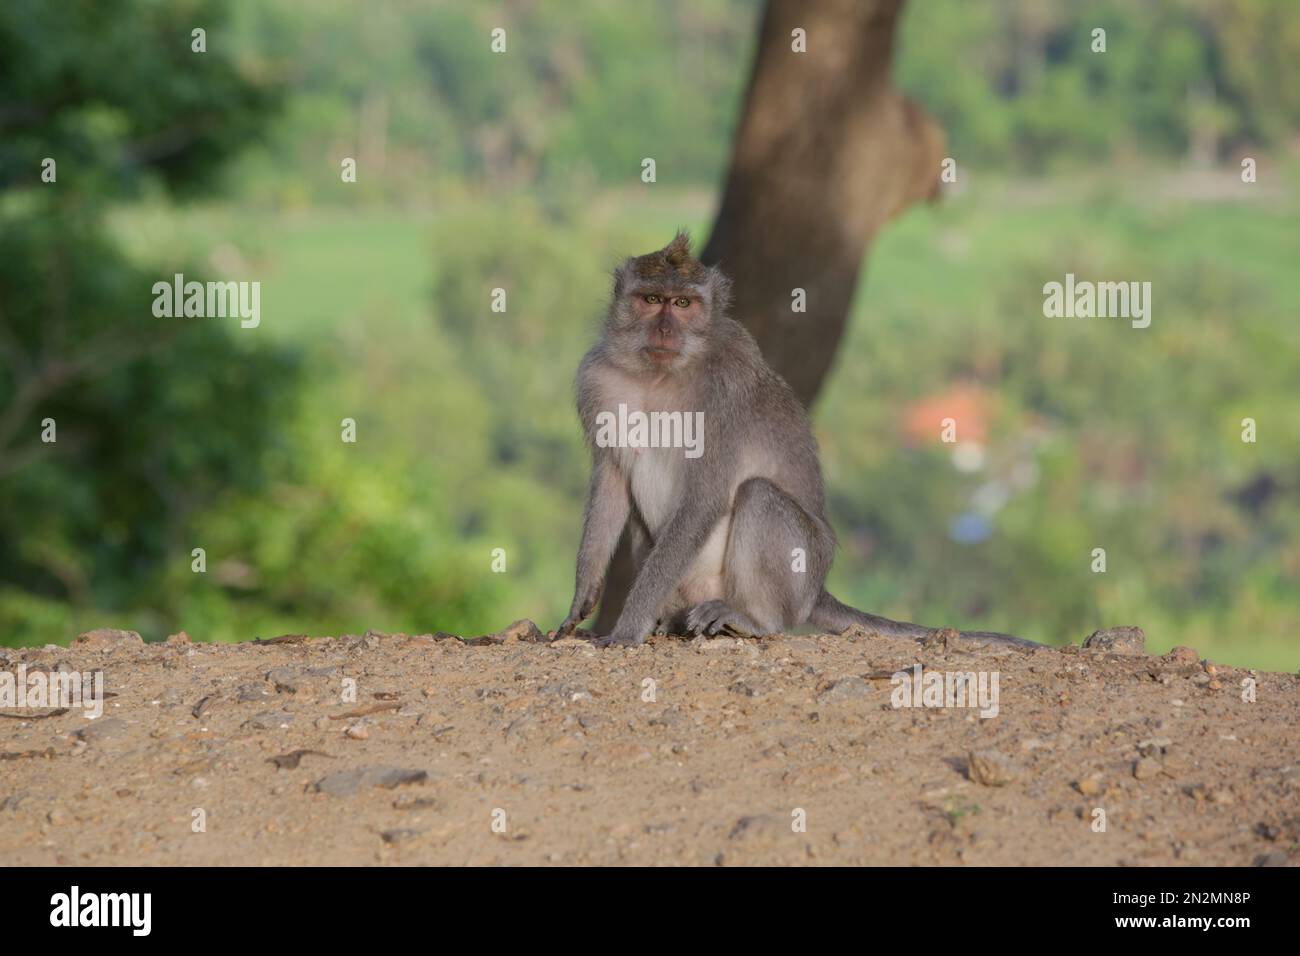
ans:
x=653 y=298
x=682 y=302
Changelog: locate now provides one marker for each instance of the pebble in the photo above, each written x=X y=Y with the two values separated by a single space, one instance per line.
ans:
x=846 y=688
x=1128 y=640
x=344 y=783
x=271 y=720
x=285 y=679
x=1154 y=746
x=1146 y=768
x=107 y=639
x=253 y=692
x=58 y=816
x=991 y=768
x=105 y=728
x=1089 y=786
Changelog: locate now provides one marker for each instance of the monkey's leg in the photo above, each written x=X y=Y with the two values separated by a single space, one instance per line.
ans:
x=639 y=540
x=776 y=561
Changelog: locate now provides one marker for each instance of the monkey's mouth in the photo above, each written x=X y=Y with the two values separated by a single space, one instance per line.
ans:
x=660 y=354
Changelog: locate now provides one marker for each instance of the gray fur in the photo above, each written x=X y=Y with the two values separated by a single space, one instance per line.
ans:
x=713 y=536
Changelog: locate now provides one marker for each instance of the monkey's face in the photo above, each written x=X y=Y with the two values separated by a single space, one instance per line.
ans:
x=667 y=323
x=661 y=317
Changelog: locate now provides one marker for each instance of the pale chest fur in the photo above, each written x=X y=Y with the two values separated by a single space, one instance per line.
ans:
x=653 y=474
x=653 y=477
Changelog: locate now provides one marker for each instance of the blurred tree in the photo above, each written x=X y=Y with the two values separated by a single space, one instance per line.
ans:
x=826 y=153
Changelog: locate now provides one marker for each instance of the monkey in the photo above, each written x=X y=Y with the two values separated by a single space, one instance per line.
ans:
x=733 y=540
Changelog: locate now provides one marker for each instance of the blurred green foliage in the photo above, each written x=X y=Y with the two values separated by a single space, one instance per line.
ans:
x=520 y=172
x=587 y=89
x=152 y=424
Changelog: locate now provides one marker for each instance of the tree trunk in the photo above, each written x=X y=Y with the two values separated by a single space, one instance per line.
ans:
x=826 y=152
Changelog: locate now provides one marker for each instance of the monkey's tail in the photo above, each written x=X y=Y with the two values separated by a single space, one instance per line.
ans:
x=835 y=616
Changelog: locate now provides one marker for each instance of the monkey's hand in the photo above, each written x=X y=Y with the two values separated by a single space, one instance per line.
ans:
x=582 y=607
x=567 y=628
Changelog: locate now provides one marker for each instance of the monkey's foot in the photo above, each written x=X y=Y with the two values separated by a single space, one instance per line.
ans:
x=716 y=617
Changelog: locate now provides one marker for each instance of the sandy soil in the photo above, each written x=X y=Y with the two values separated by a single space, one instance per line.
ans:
x=508 y=751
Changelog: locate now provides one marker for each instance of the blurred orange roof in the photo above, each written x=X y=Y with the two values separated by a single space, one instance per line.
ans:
x=968 y=405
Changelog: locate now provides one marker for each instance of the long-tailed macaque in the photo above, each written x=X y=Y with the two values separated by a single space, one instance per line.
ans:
x=729 y=535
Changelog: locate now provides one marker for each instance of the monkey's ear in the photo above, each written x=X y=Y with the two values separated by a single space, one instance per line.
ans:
x=719 y=285
x=621 y=275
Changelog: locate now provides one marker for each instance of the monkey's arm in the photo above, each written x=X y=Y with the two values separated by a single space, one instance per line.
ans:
x=667 y=562
x=608 y=507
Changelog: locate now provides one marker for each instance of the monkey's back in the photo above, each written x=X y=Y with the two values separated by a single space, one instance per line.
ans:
x=758 y=418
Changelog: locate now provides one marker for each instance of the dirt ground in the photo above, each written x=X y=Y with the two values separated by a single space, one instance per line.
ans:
x=510 y=750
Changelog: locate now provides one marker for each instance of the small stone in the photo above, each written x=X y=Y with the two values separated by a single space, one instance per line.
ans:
x=406 y=802
x=1183 y=655
x=748 y=688
x=1127 y=640
x=1268 y=831
x=1146 y=768
x=568 y=690
x=990 y=768
x=1089 y=786
x=345 y=783
x=522 y=630
x=285 y=679
x=105 y=728
x=253 y=692
x=846 y=688
x=1154 y=746
x=358 y=731
x=526 y=631
x=942 y=640
x=272 y=720
x=107 y=639
x=403 y=835
x=180 y=637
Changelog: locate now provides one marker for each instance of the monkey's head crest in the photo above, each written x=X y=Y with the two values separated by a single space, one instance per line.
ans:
x=673 y=262
x=674 y=268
